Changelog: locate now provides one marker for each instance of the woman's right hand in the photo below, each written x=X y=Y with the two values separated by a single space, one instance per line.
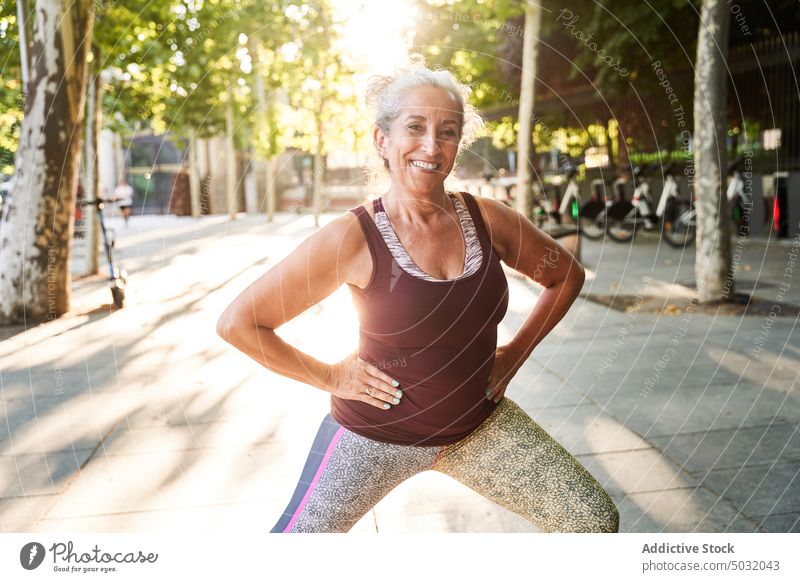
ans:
x=355 y=379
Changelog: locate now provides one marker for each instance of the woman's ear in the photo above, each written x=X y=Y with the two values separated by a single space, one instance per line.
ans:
x=379 y=139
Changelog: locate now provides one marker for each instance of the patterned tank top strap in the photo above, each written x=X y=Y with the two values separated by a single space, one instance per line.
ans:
x=477 y=219
x=381 y=259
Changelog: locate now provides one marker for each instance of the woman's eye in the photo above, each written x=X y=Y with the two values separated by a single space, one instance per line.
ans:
x=415 y=127
x=449 y=132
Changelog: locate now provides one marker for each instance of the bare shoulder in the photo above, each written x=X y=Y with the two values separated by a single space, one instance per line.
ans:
x=499 y=220
x=524 y=247
x=336 y=253
x=345 y=238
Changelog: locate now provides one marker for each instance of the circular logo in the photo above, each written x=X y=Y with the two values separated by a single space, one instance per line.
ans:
x=31 y=555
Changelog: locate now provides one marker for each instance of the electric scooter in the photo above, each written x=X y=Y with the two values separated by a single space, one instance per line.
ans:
x=117 y=277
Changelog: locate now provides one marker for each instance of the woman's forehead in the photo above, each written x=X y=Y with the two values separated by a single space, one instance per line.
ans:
x=444 y=116
x=428 y=101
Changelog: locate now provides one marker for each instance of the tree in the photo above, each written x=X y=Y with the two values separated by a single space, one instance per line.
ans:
x=713 y=252
x=533 y=23
x=37 y=225
x=319 y=90
x=11 y=95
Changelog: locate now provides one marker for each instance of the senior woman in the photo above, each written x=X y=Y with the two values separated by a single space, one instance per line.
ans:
x=426 y=388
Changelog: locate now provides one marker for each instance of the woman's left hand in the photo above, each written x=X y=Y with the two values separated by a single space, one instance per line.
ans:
x=504 y=369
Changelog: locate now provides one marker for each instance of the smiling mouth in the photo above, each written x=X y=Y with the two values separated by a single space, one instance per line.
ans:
x=424 y=165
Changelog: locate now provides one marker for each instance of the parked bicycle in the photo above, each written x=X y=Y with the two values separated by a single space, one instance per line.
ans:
x=676 y=214
x=680 y=216
x=593 y=212
x=569 y=207
x=545 y=214
x=624 y=217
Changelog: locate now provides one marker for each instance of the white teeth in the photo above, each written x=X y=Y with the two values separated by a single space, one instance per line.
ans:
x=424 y=165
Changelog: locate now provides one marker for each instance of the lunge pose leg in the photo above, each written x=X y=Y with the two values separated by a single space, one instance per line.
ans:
x=345 y=476
x=513 y=461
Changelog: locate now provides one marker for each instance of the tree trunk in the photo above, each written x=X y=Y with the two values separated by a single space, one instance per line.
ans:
x=612 y=167
x=272 y=198
x=318 y=170
x=91 y=177
x=527 y=99
x=194 y=174
x=265 y=121
x=713 y=271
x=230 y=156
x=23 y=27
x=36 y=233
x=318 y=181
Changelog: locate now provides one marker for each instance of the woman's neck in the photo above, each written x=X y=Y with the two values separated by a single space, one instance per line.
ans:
x=414 y=207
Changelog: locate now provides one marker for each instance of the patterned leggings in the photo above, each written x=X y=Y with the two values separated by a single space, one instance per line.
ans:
x=508 y=459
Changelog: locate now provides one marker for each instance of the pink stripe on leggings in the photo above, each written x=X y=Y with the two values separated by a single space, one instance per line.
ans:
x=313 y=485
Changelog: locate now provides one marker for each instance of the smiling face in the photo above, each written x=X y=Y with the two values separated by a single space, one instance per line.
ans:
x=422 y=141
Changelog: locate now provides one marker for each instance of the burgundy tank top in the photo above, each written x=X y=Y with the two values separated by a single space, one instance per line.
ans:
x=437 y=338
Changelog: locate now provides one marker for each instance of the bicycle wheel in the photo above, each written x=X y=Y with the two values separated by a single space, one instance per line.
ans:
x=678 y=228
x=593 y=220
x=621 y=219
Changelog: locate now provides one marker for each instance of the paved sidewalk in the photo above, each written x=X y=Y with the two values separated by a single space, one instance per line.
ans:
x=143 y=419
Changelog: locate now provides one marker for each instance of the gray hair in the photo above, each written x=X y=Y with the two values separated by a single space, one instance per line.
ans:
x=385 y=94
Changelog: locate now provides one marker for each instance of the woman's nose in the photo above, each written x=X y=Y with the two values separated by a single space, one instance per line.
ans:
x=431 y=144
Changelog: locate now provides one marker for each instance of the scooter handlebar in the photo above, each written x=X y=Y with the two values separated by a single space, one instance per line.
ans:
x=96 y=201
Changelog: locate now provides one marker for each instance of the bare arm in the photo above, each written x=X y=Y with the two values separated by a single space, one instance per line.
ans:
x=305 y=277
x=314 y=270
x=528 y=250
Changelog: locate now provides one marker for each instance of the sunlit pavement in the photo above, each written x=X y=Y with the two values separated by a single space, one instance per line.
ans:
x=143 y=419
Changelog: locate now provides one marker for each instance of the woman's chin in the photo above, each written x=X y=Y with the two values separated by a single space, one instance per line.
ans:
x=424 y=180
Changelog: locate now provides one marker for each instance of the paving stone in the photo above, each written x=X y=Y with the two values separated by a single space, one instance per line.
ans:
x=690 y=509
x=627 y=472
x=780 y=522
x=434 y=502
x=585 y=428
x=534 y=388
x=759 y=489
x=39 y=473
x=78 y=421
x=700 y=452
x=20 y=514
x=176 y=479
x=670 y=410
